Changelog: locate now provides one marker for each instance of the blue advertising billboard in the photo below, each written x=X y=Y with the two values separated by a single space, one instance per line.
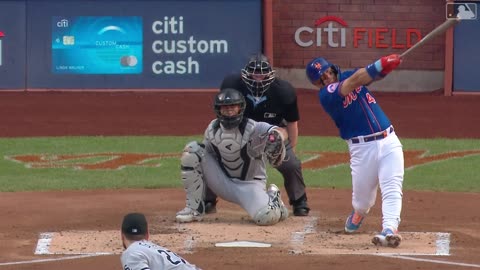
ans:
x=140 y=44
x=97 y=45
x=12 y=45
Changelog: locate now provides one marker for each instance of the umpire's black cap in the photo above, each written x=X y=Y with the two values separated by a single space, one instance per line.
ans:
x=135 y=224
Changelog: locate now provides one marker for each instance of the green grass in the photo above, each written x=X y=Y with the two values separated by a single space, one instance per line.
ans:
x=456 y=174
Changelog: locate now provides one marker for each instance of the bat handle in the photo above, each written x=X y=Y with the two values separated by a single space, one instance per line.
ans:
x=406 y=52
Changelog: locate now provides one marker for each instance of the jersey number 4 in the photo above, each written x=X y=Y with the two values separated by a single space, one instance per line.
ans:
x=370 y=98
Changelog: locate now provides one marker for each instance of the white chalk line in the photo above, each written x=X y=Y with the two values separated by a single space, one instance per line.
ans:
x=43 y=244
x=443 y=249
x=189 y=242
x=45 y=240
x=428 y=260
x=52 y=259
x=380 y=255
x=442 y=244
x=299 y=237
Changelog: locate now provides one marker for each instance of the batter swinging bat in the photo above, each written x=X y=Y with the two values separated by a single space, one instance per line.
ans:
x=435 y=32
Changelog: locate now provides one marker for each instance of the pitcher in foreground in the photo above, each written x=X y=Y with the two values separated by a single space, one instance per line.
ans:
x=142 y=254
x=232 y=160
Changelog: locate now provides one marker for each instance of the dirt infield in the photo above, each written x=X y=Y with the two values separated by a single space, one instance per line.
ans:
x=25 y=215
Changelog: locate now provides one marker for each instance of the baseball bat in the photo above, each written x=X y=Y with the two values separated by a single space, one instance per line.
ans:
x=435 y=32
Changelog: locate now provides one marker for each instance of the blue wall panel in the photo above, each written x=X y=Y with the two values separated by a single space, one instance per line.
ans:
x=12 y=54
x=466 y=56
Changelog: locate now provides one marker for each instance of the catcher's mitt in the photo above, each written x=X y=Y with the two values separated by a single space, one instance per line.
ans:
x=275 y=148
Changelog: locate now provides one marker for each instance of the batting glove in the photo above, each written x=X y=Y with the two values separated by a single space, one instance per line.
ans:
x=383 y=66
x=389 y=63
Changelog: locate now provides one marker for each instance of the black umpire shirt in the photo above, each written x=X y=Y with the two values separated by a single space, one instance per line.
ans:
x=277 y=105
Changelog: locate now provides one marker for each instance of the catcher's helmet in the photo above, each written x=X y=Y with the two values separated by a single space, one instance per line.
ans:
x=317 y=67
x=258 y=74
x=229 y=96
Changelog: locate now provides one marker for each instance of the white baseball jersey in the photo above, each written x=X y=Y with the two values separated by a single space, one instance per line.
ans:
x=145 y=255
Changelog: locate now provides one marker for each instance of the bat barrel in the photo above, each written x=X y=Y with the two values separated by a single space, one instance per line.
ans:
x=435 y=32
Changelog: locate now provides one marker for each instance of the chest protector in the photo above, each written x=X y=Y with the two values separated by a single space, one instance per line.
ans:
x=231 y=146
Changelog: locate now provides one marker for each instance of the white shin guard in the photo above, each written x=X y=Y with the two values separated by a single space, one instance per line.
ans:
x=192 y=176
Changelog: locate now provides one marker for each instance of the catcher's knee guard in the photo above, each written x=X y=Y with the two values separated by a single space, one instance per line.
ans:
x=192 y=175
x=274 y=212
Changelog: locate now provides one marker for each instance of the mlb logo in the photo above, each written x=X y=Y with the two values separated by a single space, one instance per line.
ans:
x=464 y=11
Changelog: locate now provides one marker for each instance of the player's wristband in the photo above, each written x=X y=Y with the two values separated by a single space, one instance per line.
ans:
x=375 y=69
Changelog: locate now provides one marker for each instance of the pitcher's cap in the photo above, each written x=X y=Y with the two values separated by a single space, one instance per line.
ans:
x=134 y=224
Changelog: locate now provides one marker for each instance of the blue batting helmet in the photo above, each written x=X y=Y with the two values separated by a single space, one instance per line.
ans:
x=317 y=67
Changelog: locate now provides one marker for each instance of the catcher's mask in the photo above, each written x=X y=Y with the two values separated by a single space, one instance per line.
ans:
x=258 y=75
x=317 y=67
x=229 y=96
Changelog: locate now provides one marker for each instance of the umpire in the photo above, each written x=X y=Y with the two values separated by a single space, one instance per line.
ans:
x=272 y=100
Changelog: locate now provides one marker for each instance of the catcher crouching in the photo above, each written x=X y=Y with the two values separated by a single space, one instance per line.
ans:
x=232 y=161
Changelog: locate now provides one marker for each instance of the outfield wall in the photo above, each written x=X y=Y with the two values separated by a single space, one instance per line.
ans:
x=188 y=44
x=52 y=44
x=354 y=33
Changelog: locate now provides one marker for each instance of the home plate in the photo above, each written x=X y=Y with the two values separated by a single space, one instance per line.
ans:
x=243 y=244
